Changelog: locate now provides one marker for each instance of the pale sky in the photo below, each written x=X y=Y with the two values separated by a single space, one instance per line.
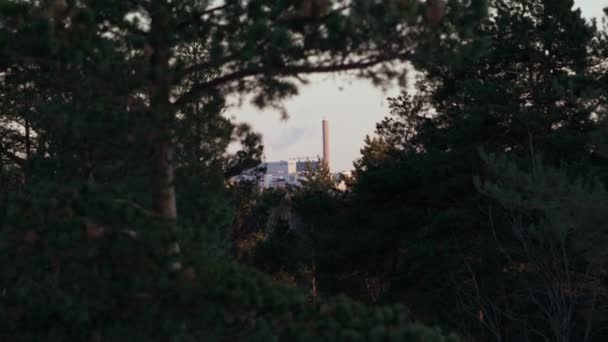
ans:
x=353 y=107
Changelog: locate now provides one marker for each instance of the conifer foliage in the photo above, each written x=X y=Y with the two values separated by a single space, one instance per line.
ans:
x=113 y=159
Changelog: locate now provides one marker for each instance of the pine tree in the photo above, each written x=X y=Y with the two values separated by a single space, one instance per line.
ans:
x=122 y=101
x=317 y=180
x=527 y=93
x=131 y=51
x=557 y=243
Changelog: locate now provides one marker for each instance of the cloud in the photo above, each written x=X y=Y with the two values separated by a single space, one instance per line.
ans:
x=288 y=138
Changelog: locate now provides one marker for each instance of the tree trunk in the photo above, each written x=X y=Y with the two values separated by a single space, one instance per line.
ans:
x=163 y=187
x=313 y=282
x=314 y=286
x=162 y=115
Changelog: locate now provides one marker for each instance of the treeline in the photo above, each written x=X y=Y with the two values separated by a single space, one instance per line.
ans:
x=481 y=201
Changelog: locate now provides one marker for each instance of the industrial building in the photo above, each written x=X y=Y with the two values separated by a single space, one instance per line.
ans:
x=284 y=173
x=280 y=174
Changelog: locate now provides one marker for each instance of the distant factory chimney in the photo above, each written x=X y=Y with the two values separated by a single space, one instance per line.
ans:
x=326 y=142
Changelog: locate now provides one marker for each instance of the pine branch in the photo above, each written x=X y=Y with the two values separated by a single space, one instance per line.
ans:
x=294 y=70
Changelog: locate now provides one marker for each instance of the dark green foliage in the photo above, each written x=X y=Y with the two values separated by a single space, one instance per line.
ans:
x=143 y=76
x=300 y=236
x=558 y=238
x=81 y=266
x=414 y=224
x=111 y=108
